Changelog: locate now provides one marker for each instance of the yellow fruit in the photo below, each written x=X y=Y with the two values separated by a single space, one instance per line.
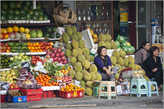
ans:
x=94 y=35
x=6 y=36
x=3 y=30
x=22 y=29
x=16 y=29
x=27 y=36
x=26 y=30
x=9 y=30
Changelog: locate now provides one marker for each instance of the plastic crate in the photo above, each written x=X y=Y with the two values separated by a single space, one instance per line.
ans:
x=66 y=94
x=36 y=97
x=3 y=98
x=31 y=91
x=19 y=99
x=48 y=94
x=80 y=93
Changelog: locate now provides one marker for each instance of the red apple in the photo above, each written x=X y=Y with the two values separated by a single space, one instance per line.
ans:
x=62 y=53
x=59 y=50
x=57 y=55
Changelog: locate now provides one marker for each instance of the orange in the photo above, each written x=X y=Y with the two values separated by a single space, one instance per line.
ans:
x=16 y=29
x=9 y=29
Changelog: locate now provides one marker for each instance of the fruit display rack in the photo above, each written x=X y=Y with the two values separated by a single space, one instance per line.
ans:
x=32 y=39
x=28 y=53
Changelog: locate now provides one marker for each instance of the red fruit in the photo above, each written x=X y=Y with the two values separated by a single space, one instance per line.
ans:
x=62 y=54
x=59 y=50
x=63 y=58
x=57 y=55
x=59 y=59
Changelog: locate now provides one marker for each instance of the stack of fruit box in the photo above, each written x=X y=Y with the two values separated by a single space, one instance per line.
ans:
x=48 y=94
x=32 y=94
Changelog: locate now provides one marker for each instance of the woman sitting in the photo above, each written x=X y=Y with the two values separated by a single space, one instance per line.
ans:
x=103 y=63
x=142 y=53
x=153 y=66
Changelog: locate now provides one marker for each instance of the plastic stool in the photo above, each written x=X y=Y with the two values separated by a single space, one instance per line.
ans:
x=150 y=90
x=107 y=89
x=139 y=87
x=96 y=91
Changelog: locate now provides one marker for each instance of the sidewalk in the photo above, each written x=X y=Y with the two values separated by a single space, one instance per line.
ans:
x=121 y=102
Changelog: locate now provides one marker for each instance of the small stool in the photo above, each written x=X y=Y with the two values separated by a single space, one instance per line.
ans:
x=95 y=91
x=152 y=88
x=139 y=87
x=107 y=89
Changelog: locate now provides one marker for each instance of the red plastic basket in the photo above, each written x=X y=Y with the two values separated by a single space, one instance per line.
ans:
x=66 y=94
x=80 y=93
x=3 y=97
x=31 y=91
x=48 y=94
x=36 y=97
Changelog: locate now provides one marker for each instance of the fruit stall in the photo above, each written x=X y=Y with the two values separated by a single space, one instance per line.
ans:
x=42 y=60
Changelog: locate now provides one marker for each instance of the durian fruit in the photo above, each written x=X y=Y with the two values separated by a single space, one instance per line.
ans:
x=81 y=58
x=74 y=37
x=89 y=84
x=71 y=73
x=82 y=83
x=78 y=67
x=92 y=58
x=86 y=64
x=74 y=30
x=75 y=52
x=79 y=35
x=87 y=76
x=113 y=45
x=126 y=62
x=79 y=76
x=108 y=37
x=93 y=75
x=120 y=61
x=68 y=46
x=102 y=37
x=86 y=51
x=131 y=60
x=75 y=44
x=80 y=51
x=73 y=60
x=115 y=53
x=108 y=45
x=98 y=77
x=113 y=60
x=101 y=43
x=65 y=38
x=68 y=52
x=93 y=68
x=81 y=44
x=88 y=91
x=69 y=30
x=122 y=53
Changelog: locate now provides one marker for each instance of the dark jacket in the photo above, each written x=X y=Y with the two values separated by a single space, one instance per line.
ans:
x=150 y=64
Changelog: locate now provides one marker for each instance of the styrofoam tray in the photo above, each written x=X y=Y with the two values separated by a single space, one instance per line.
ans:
x=47 y=88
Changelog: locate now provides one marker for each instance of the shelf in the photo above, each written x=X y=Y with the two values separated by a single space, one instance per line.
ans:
x=47 y=88
x=4 y=69
x=28 y=53
x=96 y=21
x=31 y=39
x=26 y=23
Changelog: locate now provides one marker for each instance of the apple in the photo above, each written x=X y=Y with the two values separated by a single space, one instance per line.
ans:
x=63 y=58
x=57 y=55
x=62 y=53
x=59 y=50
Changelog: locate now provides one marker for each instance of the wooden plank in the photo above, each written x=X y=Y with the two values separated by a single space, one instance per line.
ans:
x=61 y=106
